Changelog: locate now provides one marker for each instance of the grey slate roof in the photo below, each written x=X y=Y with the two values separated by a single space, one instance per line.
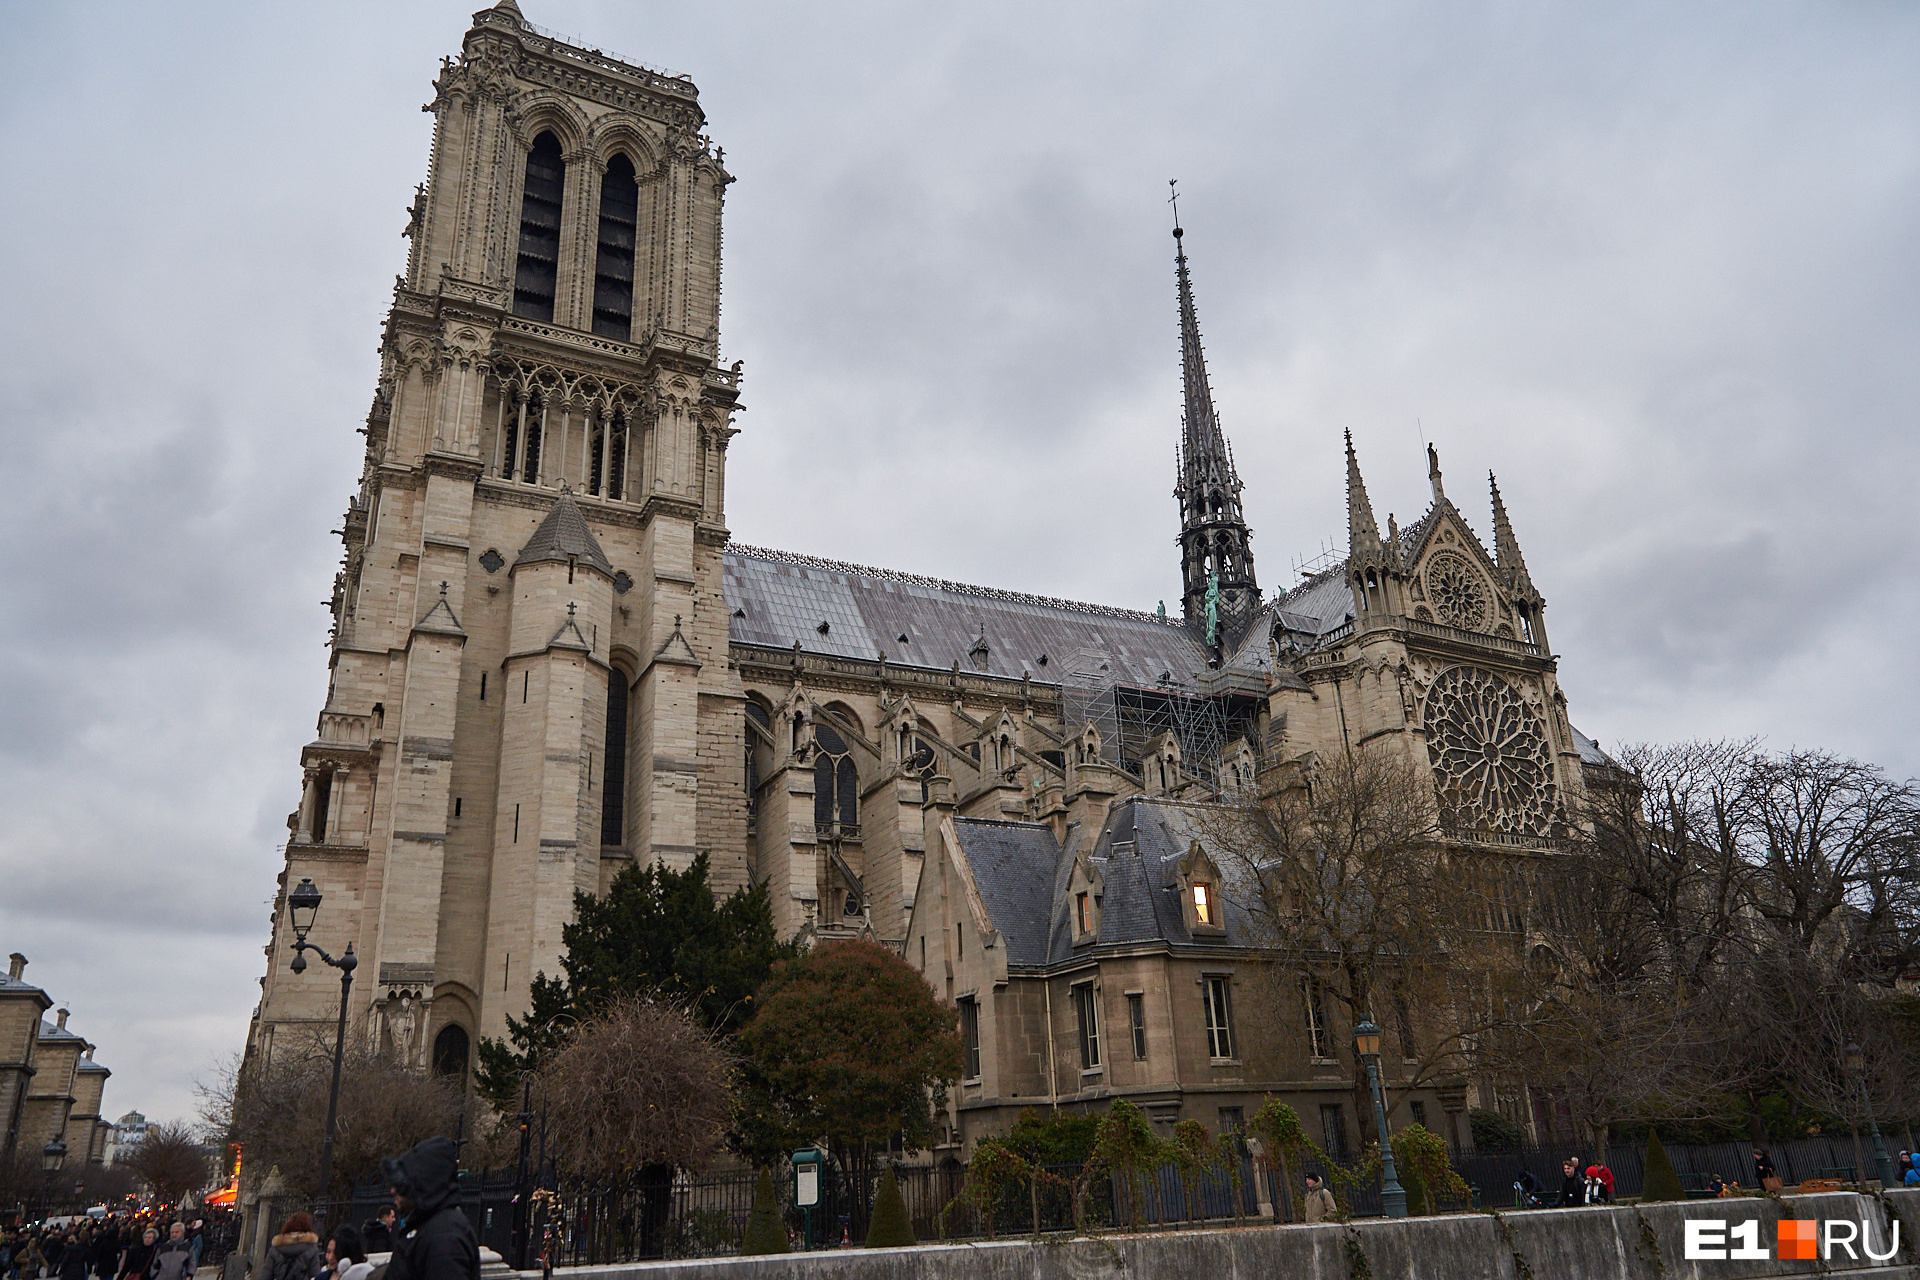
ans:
x=1023 y=876
x=776 y=598
x=1590 y=752
x=564 y=533
x=48 y=1031
x=1013 y=865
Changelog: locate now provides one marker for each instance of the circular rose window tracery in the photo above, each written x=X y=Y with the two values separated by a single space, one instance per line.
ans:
x=1457 y=592
x=1492 y=768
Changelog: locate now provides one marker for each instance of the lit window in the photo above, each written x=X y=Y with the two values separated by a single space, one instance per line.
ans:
x=1203 y=911
x=1085 y=908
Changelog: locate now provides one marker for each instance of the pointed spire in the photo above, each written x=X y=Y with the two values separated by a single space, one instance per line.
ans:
x=1201 y=438
x=1363 y=535
x=1215 y=544
x=1506 y=547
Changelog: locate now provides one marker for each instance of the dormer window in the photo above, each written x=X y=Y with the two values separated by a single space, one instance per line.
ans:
x=1203 y=905
x=1083 y=909
x=1197 y=882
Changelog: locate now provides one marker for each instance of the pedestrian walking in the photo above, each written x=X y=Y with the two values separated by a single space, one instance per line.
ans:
x=1764 y=1172
x=136 y=1258
x=346 y=1256
x=73 y=1259
x=434 y=1241
x=1573 y=1187
x=173 y=1260
x=1321 y=1206
x=295 y=1254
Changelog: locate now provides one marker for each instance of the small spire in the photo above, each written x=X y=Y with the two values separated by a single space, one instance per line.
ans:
x=1363 y=534
x=1506 y=547
x=1433 y=475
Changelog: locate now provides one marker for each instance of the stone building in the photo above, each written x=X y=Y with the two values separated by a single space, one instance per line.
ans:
x=549 y=662
x=50 y=1086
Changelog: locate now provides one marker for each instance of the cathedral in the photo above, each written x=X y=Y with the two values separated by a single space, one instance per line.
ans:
x=549 y=661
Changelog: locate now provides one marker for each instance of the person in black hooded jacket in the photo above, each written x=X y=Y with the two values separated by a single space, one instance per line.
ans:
x=433 y=1239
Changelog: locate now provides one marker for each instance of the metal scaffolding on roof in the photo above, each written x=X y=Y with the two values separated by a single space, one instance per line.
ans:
x=1206 y=712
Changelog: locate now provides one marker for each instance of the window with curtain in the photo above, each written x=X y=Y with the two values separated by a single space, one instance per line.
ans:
x=1087 y=1013
x=1219 y=998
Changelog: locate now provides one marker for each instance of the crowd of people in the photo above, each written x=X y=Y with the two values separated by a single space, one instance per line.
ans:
x=107 y=1249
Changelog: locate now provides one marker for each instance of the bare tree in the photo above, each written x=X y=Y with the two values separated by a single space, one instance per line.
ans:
x=1364 y=911
x=277 y=1108
x=640 y=1084
x=172 y=1161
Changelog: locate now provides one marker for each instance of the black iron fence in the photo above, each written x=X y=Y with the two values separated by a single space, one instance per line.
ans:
x=687 y=1216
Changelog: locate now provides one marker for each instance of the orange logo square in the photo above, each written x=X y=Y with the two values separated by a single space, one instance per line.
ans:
x=1799 y=1238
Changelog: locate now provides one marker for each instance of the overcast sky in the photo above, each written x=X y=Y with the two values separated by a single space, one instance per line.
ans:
x=1657 y=265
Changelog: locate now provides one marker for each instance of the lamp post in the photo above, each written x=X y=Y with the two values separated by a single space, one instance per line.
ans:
x=1856 y=1063
x=1393 y=1197
x=303 y=904
x=52 y=1156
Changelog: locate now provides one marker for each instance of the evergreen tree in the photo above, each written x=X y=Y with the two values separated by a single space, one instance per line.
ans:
x=765 y=1232
x=1661 y=1182
x=890 y=1227
x=656 y=932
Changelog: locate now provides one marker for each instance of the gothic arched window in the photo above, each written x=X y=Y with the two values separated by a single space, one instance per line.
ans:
x=536 y=422
x=613 y=266
x=836 y=783
x=758 y=715
x=613 y=785
x=537 y=274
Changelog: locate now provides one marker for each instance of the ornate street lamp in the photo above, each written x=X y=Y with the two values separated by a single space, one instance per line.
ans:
x=53 y=1155
x=1366 y=1042
x=1856 y=1064
x=303 y=905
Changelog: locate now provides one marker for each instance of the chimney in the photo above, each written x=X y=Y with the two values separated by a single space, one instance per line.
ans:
x=60 y=1019
x=16 y=965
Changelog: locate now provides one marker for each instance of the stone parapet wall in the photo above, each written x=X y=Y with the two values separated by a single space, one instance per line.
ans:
x=1623 y=1242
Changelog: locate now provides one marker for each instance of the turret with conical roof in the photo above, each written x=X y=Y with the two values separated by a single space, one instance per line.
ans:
x=1216 y=553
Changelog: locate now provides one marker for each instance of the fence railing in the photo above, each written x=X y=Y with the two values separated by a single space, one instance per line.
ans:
x=687 y=1216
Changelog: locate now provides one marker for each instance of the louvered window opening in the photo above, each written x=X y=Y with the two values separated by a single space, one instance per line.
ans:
x=613 y=266
x=536 y=278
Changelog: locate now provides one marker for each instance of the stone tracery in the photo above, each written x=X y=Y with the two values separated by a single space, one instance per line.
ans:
x=1457 y=591
x=1493 y=769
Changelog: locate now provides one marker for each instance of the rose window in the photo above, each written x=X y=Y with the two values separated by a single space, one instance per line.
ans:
x=1492 y=769
x=1457 y=591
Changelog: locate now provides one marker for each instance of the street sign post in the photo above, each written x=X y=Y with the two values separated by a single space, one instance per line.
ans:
x=807 y=1164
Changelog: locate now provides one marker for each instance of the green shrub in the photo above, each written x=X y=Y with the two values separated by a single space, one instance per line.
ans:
x=1492 y=1132
x=1661 y=1182
x=765 y=1232
x=890 y=1227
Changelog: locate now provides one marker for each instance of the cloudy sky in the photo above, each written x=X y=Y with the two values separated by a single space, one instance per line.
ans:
x=1657 y=265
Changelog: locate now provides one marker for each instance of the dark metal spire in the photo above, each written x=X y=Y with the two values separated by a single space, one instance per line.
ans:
x=1215 y=543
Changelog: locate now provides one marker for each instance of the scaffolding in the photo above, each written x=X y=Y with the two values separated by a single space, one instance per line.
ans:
x=1206 y=712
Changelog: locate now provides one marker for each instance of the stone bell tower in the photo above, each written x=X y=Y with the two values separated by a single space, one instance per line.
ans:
x=530 y=687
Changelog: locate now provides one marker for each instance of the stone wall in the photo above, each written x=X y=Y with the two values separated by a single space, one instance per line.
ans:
x=1624 y=1242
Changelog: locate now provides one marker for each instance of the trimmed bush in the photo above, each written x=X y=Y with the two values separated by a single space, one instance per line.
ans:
x=765 y=1232
x=890 y=1228
x=1661 y=1182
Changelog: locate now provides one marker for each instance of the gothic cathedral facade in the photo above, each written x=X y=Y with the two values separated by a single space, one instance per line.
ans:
x=549 y=662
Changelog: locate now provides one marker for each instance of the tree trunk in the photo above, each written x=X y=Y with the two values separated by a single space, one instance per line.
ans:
x=1283 y=1201
x=1601 y=1132
x=1756 y=1123
x=1859 y=1156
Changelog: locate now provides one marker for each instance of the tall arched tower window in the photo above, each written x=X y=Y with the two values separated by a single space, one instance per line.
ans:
x=537 y=276
x=613 y=782
x=613 y=266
